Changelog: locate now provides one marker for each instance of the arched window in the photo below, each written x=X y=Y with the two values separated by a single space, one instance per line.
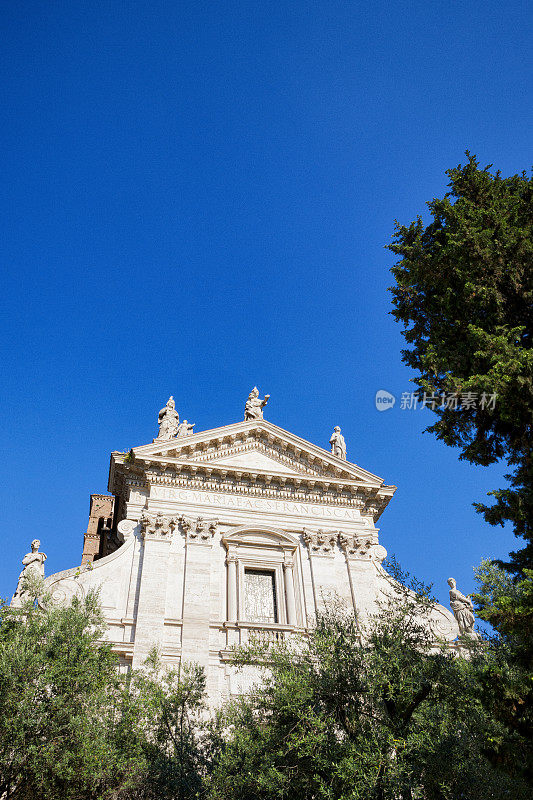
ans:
x=263 y=575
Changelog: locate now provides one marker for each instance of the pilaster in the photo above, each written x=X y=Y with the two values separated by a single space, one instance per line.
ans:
x=199 y=535
x=156 y=536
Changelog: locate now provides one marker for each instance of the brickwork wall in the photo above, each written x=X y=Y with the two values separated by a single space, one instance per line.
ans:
x=96 y=537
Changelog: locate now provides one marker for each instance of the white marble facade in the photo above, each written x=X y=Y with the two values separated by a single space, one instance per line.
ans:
x=244 y=529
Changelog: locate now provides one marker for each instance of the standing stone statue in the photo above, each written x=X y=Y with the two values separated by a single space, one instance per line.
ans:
x=168 y=421
x=338 y=445
x=463 y=610
x=185 y=428
x=254 y=405
x=33 y=568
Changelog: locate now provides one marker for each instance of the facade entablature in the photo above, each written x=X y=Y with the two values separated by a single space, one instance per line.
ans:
x=252 y=458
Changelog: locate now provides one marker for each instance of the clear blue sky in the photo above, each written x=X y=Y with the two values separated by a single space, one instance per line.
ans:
x=196 y=199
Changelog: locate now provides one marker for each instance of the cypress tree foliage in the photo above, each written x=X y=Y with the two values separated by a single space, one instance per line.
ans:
x=464 y=294
x=507 y=678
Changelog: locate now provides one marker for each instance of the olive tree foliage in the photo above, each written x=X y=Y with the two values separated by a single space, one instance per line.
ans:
x=349 y=713
x=59 y=694
x=72 y=727
x=464 y=294
x=170 y=723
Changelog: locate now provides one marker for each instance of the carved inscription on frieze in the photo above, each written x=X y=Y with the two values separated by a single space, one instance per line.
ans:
x=255 y=503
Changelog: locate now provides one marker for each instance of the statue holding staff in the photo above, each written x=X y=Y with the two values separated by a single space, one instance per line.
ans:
x=338 y=445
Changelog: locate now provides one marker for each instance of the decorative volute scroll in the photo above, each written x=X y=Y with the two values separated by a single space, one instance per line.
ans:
x=125 y=529
x=320 y=542
x=200 y=530
x=156 y=526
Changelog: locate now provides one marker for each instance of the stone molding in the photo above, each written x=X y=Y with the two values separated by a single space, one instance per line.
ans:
x=277 y=454
x=193 y=463
x=255 y=484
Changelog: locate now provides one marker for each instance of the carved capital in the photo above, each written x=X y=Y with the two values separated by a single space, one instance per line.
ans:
x=288 y=560
x=156 y=526
x=355 y=546
x=199 y=531
x=361 y=546
x=320 y=542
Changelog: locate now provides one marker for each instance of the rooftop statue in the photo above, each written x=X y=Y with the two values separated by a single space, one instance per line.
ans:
x=33 y=568
x=254 y=405
x=168 y=421
x=338 y=445
x=185 y=428
x=463 y=610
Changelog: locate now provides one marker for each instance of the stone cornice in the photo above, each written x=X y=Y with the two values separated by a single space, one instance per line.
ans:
x=211 y=440
x=269 y=448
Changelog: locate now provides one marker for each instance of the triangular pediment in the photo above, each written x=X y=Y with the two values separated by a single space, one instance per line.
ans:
x=255 y=459
x=259 y=446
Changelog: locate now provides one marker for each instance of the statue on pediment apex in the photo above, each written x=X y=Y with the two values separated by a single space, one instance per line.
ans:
x=33 y=568
x=185 y=428
x=338 y=445
x=463 y=610
x=168 y=420
x=254 y=405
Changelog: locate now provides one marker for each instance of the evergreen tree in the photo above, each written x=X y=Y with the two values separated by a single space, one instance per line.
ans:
x=464 y=293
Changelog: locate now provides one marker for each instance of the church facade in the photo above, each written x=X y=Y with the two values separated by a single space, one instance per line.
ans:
x=245 y=530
